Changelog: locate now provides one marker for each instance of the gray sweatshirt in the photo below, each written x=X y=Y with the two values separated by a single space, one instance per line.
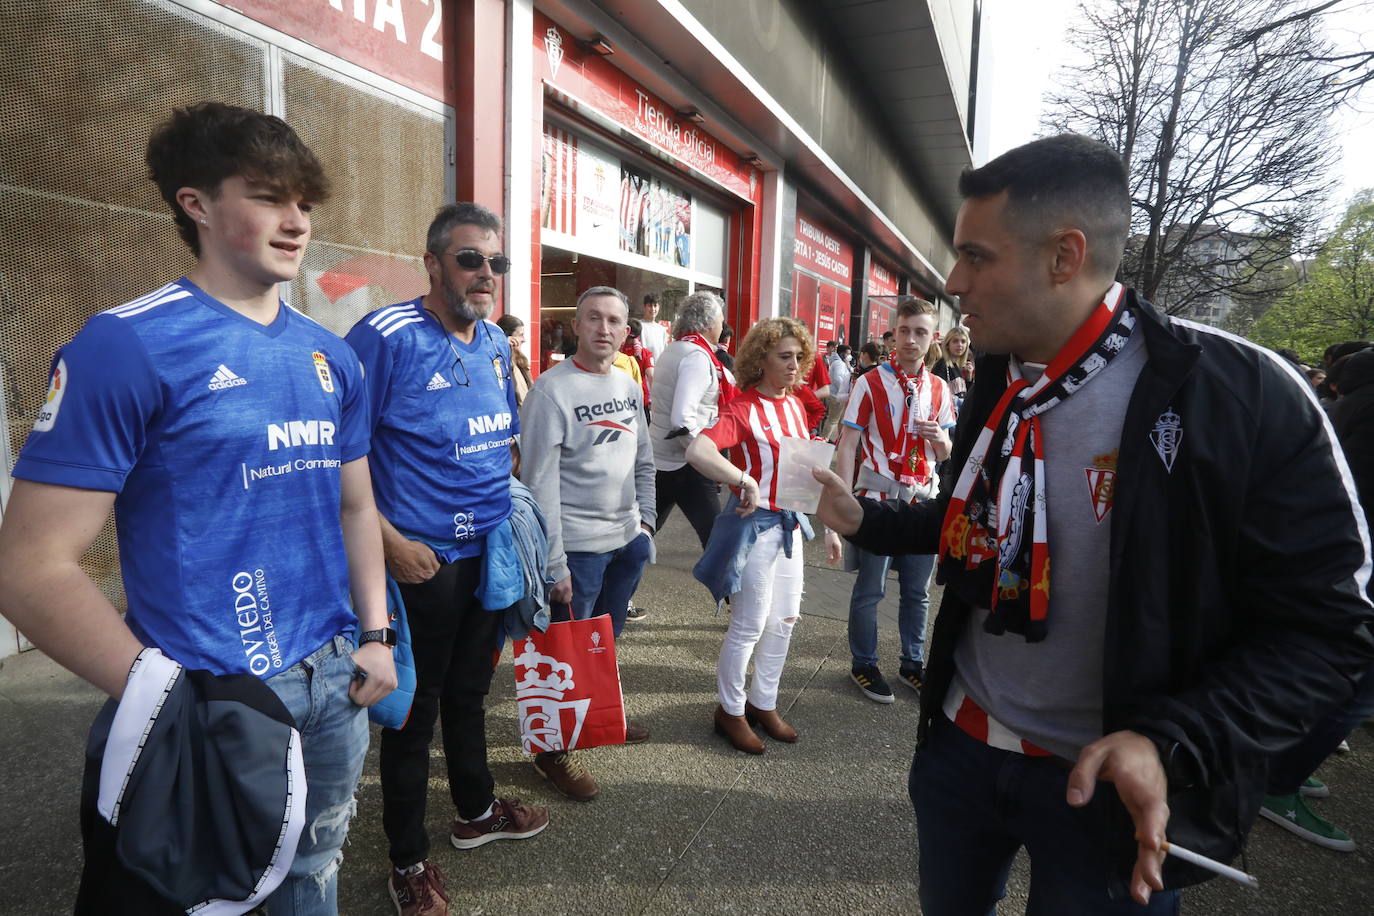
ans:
x=585 y=454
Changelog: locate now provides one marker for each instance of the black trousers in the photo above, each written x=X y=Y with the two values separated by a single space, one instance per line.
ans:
x=697 y=496
x=456 y=648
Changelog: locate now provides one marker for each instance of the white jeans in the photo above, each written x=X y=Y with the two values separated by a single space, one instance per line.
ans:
x=762 y=614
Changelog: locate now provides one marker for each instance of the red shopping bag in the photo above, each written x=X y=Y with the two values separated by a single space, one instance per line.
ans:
x=567 y=687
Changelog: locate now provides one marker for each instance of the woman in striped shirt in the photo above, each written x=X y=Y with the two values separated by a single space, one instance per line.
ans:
x=752 y=555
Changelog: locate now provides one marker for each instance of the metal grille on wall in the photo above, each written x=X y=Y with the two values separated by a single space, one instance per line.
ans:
x=82 y=229
x=385 y=160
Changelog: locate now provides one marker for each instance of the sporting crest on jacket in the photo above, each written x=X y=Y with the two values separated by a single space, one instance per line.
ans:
x=1167 y=437
x=1102 y=484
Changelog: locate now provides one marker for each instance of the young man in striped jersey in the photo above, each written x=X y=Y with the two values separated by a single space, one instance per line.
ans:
x=229 y=432
x=443 y=422
x=897 y=421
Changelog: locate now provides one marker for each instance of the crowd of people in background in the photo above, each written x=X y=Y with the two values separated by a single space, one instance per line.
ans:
x=429 y=475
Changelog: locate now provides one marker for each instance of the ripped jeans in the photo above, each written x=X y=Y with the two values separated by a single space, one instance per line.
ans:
x=762 y=615
x=334 y=742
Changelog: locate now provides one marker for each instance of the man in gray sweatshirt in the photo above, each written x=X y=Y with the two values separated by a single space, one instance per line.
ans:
x=587 y=458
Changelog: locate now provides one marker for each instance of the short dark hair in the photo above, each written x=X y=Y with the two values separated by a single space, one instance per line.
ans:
x=842 y=349
x=870 y=349
x=912 y=305
x=636 y=327
x=1336 y=351
x=726 y=332
x=201 y=145
x=463 y=213
x=887 y=334
x=1067 y=179
x=651 y=298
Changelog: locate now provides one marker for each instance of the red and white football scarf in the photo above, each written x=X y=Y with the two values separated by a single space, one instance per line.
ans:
x=728 y=391
x=907 y=451
x=998 y=510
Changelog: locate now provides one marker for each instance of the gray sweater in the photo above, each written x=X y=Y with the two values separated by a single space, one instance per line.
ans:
x=585 y=454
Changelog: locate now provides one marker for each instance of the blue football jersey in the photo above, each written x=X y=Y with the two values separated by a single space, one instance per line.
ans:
x=223 y=439
x=443 y=419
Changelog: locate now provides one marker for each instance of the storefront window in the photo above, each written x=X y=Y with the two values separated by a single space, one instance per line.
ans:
x=610 y=222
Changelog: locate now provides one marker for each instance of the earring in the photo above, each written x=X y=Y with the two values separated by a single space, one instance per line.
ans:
x=203 y=222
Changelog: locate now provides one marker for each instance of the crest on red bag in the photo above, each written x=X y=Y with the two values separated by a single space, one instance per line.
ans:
x=547 y=721
x=567 y=687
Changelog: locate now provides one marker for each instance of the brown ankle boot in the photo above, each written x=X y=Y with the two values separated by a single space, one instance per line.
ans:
x=772 y=723
x=737 y=731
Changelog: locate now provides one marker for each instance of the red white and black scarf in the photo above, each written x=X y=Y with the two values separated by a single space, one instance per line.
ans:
x=997 y=517
x=728 y=391
x=907 y=451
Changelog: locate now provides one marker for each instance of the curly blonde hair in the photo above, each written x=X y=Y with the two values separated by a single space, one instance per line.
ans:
x=763 y=337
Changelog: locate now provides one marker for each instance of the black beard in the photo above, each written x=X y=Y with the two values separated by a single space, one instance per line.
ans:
x=461 y=309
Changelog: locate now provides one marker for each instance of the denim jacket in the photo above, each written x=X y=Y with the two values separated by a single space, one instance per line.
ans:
x=721 y=567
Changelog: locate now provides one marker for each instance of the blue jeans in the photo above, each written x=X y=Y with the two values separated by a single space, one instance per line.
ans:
x=913 y=574
x=334 y=742
x=1289 y=768
x=603 y=583
x=977 y=805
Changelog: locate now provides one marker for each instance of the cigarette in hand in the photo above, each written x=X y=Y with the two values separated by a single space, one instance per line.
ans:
x=1212 y=865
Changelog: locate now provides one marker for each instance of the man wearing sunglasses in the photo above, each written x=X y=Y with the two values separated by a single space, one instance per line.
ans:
x=443 y=421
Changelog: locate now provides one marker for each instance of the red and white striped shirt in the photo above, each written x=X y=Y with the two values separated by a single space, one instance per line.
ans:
x=758 y=424
x=961 y=709
x=877 y=409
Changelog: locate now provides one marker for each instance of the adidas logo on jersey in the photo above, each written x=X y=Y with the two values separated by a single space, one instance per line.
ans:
x=224 y=377
x=438 y=382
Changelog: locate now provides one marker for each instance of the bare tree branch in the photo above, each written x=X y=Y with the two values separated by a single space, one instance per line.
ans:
x=1223 y=126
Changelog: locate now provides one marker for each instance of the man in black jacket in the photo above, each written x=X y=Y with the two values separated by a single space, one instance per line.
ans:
x=1154 y=569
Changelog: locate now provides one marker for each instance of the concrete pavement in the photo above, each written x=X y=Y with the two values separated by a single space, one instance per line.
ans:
x=684 y=822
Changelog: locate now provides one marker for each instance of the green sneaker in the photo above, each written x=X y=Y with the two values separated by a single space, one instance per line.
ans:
x=1312 y=787
x=1292 y=814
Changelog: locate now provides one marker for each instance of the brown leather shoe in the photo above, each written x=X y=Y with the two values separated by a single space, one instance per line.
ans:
x=771 y=722
x=567 y=775
x=635 y=731
x=737 y=731
x=420 y=893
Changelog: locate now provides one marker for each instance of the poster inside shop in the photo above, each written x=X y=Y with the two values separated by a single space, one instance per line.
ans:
x=596 y=197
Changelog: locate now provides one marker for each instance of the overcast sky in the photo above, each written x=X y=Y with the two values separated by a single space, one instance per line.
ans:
x=1022 y=45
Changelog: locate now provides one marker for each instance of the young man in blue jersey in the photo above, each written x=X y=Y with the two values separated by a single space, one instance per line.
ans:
x=228 y=431
x=443 y=423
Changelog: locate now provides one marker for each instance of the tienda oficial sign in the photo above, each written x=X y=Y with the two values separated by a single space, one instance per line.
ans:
x=588 y=79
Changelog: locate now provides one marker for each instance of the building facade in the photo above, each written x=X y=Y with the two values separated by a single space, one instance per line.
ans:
x=795 y=157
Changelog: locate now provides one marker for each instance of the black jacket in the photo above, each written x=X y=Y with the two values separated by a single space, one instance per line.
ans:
x=193 y=797
x=1236 y=614
x=1353 y=418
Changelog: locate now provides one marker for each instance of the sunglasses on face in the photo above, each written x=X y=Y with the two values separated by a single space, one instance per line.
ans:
x=471 y=259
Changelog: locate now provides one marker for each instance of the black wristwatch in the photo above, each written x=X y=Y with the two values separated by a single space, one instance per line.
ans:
x=385 y=636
